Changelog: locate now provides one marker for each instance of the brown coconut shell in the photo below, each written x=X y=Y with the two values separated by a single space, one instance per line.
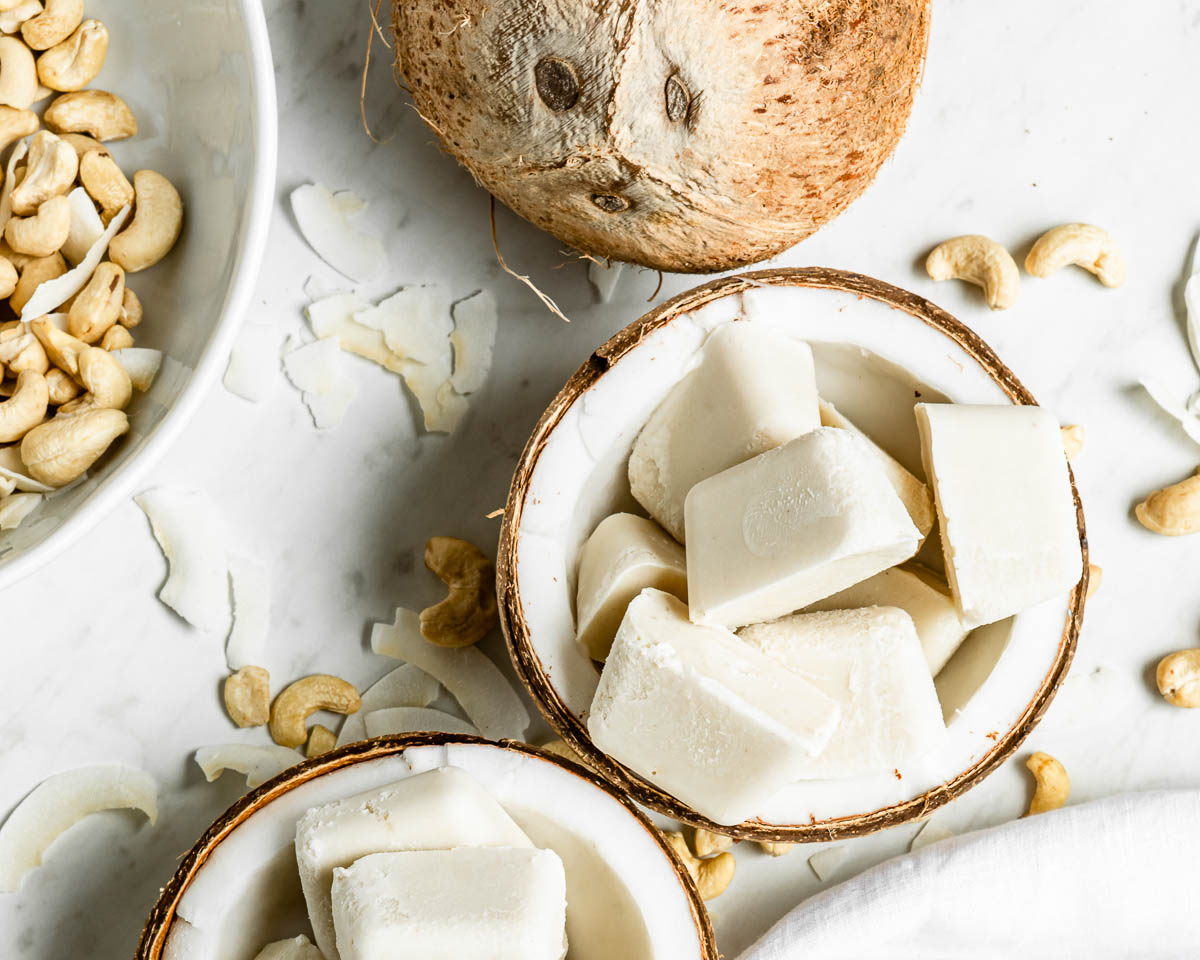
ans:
x=537 y=680
x=681 y=135
x=158 y=924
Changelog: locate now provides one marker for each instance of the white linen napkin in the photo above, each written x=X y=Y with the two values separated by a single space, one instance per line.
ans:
x=1116 y=878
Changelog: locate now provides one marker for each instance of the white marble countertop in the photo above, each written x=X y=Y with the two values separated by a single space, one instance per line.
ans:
x=1031 y=114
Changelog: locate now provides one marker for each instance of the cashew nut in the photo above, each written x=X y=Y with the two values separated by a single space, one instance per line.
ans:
x=50 y=171
x=35 y=272
x=305 y=697
x=774 y=849
x=978 y=260
x=469 y=610
x=1072 y=437
x=706 y=843
x=711 y=874
x=248 y=696
x=320 y=740
x=1178 y=677
x=53 y=25
x=62 y=388
x=131 y=309
x=157 y=220
x=43 y=233
x=1174 y=510
x=18 y=74
x=25 y=409
x=15 y=14
x=1095 y=578
x=106 y=381
x=20 y=350
x=63 y=349
x=60 y=450
x=98 y=305
x=1052 y=783
x=1080 y=244
x=74 y=63
x=18 y=260
x=8 y=277
x=104 y=182
x=116 y=338
x=15 y=124
x=98 y=113
x=81 y=143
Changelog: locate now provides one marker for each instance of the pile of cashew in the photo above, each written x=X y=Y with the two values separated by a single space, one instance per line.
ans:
x=62 y=394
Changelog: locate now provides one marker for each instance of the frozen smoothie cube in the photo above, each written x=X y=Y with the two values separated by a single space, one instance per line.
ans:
x=703 y=715
x=920 y=593
x=918 y=501
x=1005 y=507
x=434 y=810
x=470 y=903
x=752 y=390
x=791 y=527
x=624 y=555
x=869 y=661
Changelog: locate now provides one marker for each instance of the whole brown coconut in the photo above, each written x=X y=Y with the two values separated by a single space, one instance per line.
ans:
x=684 y=135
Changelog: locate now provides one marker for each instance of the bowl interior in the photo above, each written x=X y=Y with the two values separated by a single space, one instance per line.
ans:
x=198 y=77
x=627 y=896
x=874 y=360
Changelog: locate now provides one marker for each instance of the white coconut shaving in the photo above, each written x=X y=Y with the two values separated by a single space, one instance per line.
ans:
x=442 y=408
x=54 y=293
x=86 y=226
x=7 y=486
x=15 y=507
x=1191 y=301
x=415 y=323
x=332 y=318
x=604 y=279
x=1163 y=397
x=473 y=340
x=258 y=763
x=61 y=801
x=253 y=369
x=141 y=363
x=406 y=686
x=486 y=697
x=825 y=863
x=12 y=468
x=10 y=182
x=298 y=948
x=250 y=586
x=190 y=532
x=315 y=370
x=324 y=221
x=930 y=832
x=395 y=720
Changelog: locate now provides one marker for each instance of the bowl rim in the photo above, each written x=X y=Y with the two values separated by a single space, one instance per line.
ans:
x=117 y=484
x=536 y=679
x=162 y=915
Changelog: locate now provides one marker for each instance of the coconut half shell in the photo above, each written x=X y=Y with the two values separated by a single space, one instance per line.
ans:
x=682 y=136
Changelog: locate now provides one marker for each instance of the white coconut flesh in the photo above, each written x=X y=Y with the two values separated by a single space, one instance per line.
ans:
x=474 y=336
x=297 y=948
x=258 y=762
x=326 y=222
x=394 y=720
x=86 y=226
x=826 y=863
x=15 y=507
x=871 y=360
x=141 y=363
x=315 y=370
x=624 y=898
x=250 y=586
x=405 y=686
x=58 y=803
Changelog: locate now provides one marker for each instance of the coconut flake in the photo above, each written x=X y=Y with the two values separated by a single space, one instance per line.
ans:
x=10 y=183
x=7 y=486
x=1162 y=396
x=604 y=278
x=298 y=948
x=253 y=368
x=825 y=863
x=12 y=467
x=86 y=226
x=406 y=686
x=415 y=323
x=487 y=698
x=141 y=363
x=324 y=221
x=394 y=720
x=54 y=293
x=1191 y=301
x=474 y=336
x=314 y=370
x=930 y=832
x=332 y=318
x=16 y=507
x=258 y=763
x=188 y=529
x=61 y=801
x=251 y=588
x=442 y=408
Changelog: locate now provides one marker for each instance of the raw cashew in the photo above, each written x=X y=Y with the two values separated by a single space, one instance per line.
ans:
x=25 y=409
x=1178 y=677
x=157 y=220
x=15 y=14
x=248 y=696
x=116 y=338
x=1095 y=577
x=131 y=309
x=15 y=124
x=18 y=260
x=1174 y=510
x=106 y=381
x=18 y=74
x=1080 y=244
x=320 y=740
x=97 y=306
x=8 y=277
x=74 y=63
x=981 y=261
x=298 y=701
x=62 y=388
x=104 y=182
x=469 y=610
x=81 y=143
x=63 y=349
x=1052 y=783
x=60 y=450
x=20 y=350
x=43 y=233
x=98 y=113
x=57 y=22
x=50 y=171
x=712 y=874
x=35 y=272
x=774 y=849
x=707 y=843
x=1072 y=440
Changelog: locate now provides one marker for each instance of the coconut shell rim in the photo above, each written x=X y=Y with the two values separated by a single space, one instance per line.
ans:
x=162 y=915
x=537 y=681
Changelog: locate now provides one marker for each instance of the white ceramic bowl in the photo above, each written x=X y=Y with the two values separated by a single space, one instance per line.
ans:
x=199 y=78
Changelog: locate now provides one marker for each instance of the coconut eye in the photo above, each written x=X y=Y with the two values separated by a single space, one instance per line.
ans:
x=609 y=202
x=556 y=83
x=678 y=99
